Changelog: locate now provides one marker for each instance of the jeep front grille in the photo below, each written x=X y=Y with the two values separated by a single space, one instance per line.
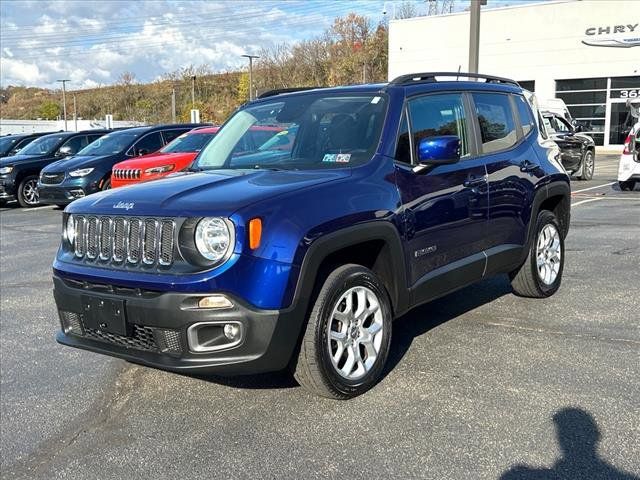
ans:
x=125 y=240
x=127 y=173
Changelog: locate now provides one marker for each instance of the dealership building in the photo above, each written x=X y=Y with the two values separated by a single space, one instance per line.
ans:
x=585 y=52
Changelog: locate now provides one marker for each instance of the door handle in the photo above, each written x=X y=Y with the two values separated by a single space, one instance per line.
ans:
x=474 y=181
x=527 y=166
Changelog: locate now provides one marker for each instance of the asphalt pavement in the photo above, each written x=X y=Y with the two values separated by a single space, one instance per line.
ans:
x=480 y=383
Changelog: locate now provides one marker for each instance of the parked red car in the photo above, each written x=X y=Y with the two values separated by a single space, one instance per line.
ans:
x=173 y=157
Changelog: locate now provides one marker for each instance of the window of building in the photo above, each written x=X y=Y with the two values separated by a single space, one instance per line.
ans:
x=528 y=85
x=437 y=115
x=495 y=116
x=524 y=112
x=586 y=99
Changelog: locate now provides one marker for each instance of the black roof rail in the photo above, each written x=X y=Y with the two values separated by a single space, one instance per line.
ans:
x=427 y=77
x=278 y=91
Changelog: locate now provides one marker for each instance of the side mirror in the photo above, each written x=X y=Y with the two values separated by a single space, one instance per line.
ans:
x=142 y=151
x=577 y=128
x=64 y=151
x=440 y=150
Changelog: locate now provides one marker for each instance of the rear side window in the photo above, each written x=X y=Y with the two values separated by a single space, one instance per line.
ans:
x=524 y=112
x=437 y=115
x=497 y=127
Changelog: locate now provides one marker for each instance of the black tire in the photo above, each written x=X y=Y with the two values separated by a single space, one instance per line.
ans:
x=314 y=369
x=588 y=166
x=526 y=281
x=107 y=184
x=627 y=186
x=27 y=198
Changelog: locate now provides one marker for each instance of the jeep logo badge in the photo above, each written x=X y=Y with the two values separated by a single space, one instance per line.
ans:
x=125 y=205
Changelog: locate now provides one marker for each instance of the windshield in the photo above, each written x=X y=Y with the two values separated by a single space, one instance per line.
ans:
x=43 y=145
x=7 y=143
x=188 y=142
x=109 y=144
x=300 y=132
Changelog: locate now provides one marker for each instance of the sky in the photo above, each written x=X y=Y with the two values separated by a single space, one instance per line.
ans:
x=92 y=43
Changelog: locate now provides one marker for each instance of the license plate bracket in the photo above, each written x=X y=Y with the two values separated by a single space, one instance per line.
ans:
x=105 y=314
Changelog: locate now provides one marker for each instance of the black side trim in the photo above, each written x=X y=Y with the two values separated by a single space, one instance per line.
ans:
x=448 y=278
x=504 y=258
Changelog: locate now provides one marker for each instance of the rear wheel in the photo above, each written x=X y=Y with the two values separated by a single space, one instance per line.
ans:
x=28 y=192
x=541 y=273
x=348 y=335
x=588 y=166
x=627 y=186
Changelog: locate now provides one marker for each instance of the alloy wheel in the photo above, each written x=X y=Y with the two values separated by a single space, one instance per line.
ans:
x=548 y=254
x=30 y=192
x=355 y=332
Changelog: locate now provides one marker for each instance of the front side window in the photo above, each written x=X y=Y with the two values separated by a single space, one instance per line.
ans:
x=324 y=130
x=438 y=115
x=43 y=145
x=76 y=144
x=148 y=144
x=495 y=117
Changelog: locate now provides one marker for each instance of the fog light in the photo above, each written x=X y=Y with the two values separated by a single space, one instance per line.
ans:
x=215 y=301
x=231 y=331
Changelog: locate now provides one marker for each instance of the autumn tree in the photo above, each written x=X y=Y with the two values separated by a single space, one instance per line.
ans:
x=49 y=110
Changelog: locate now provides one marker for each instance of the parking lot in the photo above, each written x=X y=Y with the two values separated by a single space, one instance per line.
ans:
x=480 y=384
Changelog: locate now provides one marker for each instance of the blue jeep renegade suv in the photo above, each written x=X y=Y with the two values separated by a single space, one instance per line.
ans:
x=382 y=197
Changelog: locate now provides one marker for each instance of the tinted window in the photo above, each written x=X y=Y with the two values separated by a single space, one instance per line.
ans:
x=497 y=128
x=188 y=142
x=403 y=146
x=94 y=137
x=582 y=97
x=437 y=115
x=524 y=112
x=76 y=144
x=528 y=84
x=582 y=84
x=8 y=143
x=169 y=135
x=148 y=144
x=625 y=82
x=110 y=144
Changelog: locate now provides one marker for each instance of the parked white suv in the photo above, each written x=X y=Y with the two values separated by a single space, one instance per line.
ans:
x=629 y=167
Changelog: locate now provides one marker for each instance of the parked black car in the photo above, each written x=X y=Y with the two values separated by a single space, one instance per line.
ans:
x=90 y=170
x=11 y=144
x=578 y=151
x=19 y=173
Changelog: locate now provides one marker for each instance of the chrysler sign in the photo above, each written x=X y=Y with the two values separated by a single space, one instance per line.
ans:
x=623 y=36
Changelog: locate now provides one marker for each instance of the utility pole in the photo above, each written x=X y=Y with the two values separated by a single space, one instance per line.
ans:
x=250 y=57
x=474 y=35
x=64 y=101
x=75 y=113
x=193 y=91
x=173 y=105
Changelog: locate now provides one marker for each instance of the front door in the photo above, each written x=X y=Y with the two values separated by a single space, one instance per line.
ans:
x=444 y=206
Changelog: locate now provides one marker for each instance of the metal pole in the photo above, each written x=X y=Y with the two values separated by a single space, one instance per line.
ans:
x=474 y=35
x=75 y=113
x=64 y=101
x=250 y=57
x=173 y=105
x=193 y=91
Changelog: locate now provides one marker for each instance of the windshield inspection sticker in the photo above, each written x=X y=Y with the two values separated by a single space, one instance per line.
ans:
x=329 y=157
x=375 y=100
x=343 y=157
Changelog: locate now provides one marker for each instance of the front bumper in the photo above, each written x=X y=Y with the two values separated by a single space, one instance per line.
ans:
x=159 y=321
x=7 y=189
x=628 y=168
x=69 y=190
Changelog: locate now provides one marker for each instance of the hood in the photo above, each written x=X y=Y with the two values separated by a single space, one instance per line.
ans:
x=212 y=193
x=19 y=159
x=156 y=159
x=75 y=162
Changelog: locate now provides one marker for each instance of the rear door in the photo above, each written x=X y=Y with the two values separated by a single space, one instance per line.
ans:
x=444 y=206
x=505 y=137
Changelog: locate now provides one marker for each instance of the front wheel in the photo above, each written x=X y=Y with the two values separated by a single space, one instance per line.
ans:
x=541 y=273
x=588 y=166
x=28 y=192
x=107 y=184
x=348 y=335
x=627 y=186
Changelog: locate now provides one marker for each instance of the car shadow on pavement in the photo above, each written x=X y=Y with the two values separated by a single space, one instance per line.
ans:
x=420 y=320
x=578 y=436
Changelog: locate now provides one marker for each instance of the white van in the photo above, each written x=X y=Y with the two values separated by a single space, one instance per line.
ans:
x=629 y=167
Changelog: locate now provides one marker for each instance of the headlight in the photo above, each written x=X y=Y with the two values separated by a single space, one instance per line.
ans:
x=162 y=169
x=82 y=172
x=213 y=238
x=70 y=230
x=5 y=170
